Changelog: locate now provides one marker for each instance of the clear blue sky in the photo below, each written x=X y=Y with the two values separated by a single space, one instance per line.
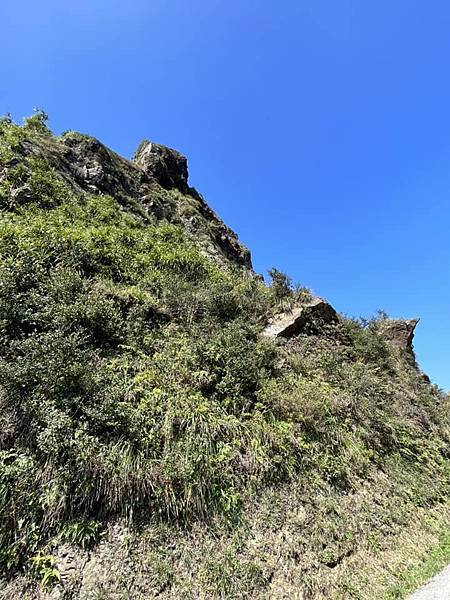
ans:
x=318 y=130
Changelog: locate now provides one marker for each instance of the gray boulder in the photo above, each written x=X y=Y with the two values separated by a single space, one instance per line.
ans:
x=300 y=318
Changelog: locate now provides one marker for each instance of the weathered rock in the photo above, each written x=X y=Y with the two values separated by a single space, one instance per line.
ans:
x=153 y=185
x=399 y=332
x=224 y=237
x=95 y=168
x=21 y=195
x=69 y=562
x=167 y=166
x=297 y=320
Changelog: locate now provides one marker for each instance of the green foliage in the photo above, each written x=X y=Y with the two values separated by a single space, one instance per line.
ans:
x=281 y=284
x=283 y=294
x=81 y=533
x=10 y=137
x=409 y=580
x=363 y=342
x=37 y=123
x=130 y=366
x=43 y=564
x=134 y=381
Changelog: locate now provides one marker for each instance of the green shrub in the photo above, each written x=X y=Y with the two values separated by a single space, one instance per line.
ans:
x=37 y=123
x=134 y=381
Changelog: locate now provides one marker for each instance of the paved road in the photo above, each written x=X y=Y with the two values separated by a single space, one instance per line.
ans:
x=437 y=589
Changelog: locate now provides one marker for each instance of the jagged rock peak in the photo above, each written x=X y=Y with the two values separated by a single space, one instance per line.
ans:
x=167 y=166
x=399 y=332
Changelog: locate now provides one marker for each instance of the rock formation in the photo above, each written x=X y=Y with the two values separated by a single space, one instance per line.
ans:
x=399 y=332
x=154 y=184
x=293 y=322
x=168 y=167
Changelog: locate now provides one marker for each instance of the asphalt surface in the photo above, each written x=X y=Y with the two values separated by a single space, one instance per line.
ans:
x=436 y=589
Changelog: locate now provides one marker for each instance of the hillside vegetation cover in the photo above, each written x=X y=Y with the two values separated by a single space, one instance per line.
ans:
x=135 y=388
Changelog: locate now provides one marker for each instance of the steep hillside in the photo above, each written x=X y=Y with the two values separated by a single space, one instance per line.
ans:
x=173 y=427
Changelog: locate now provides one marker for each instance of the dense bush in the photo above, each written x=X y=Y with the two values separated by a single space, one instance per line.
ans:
x=133 y=379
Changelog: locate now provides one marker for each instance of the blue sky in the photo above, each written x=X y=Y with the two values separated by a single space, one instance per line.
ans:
x=319 y=131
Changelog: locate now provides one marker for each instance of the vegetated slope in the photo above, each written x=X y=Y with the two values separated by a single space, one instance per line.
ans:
x=153 y=442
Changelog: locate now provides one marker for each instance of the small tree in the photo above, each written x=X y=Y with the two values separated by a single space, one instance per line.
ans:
x=281 y=284
x=37 y=122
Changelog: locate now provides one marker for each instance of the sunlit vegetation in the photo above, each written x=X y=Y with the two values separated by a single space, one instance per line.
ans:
x=134 y=383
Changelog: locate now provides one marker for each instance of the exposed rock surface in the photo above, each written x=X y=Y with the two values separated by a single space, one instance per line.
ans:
x=295 y=321
x=69 y=562
x=399 y=332
x=93 y=167
x=154 y=185
x=167 y=166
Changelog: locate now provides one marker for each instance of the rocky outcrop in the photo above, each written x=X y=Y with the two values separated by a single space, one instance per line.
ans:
x=223 y=236
x=94 y=168
x=399 y=332
x=307 y=317
x=69 y=562
x=153 y=185
x=168 y=167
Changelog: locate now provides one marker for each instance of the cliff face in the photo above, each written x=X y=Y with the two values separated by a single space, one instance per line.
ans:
x=153 y=185
x=171 y=426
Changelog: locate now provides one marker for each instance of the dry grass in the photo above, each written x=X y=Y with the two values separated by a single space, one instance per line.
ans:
x=371 y=544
